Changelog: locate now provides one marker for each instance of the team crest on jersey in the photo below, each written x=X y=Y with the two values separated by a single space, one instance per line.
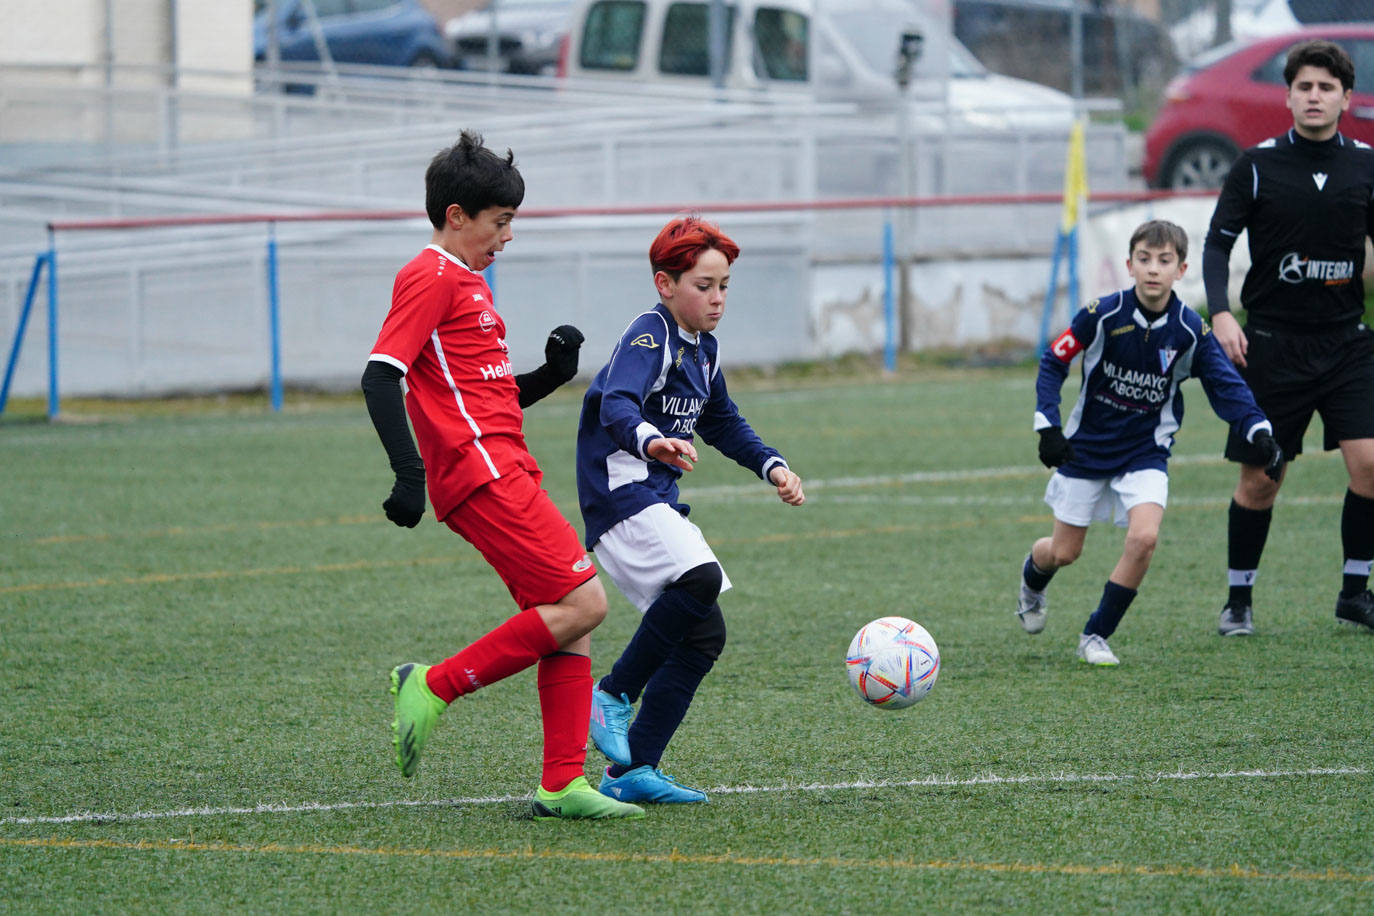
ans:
x=486 y=320
x=645 y=340
x=1166 y=358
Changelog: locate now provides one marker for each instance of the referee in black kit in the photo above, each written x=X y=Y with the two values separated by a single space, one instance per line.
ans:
x=1306 y=199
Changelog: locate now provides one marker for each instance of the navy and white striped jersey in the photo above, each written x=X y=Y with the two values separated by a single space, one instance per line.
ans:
x=660 y=382
x=1129 y=405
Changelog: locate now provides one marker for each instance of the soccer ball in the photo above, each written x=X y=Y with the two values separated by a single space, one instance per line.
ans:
x=893 y=662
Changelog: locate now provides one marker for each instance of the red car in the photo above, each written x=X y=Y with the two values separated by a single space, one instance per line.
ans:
x=1232 y=97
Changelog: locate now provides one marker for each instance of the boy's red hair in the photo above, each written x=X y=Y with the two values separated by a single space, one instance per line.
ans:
x=680 y=243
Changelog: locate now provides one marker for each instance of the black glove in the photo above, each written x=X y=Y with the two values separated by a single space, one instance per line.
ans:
x=1054 y=448
x=560 y=352
x=1273 y=455
x=406 y=504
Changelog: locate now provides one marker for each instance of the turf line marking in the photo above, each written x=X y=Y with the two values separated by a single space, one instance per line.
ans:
x=87 y=817
x=674 y=857
x=728 y=492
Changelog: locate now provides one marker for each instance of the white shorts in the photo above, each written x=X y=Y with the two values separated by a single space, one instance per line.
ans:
x=1079 y=502
x=650 y=549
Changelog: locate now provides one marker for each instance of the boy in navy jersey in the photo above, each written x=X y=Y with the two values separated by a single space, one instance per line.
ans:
x=640 y=418
x=444 y=337
x=1111 y=454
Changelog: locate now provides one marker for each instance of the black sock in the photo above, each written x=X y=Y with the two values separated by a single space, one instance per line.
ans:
x=1357 y=540
x=666 y=698
x=664 y=624
x=1116 y=599
x=1246 y=532
x=1035 y=578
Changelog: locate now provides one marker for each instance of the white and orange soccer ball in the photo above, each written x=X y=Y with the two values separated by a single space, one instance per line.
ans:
x=893 y=662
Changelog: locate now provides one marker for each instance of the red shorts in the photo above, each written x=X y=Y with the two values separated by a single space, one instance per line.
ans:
x=524 y=537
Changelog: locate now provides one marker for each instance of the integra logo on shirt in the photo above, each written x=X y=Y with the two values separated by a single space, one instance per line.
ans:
x=1294 y=268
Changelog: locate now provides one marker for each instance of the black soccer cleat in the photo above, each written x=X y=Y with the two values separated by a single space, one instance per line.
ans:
x=1357 y=609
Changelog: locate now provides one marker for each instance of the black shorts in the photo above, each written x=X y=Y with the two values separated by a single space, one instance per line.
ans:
x=1292 y=375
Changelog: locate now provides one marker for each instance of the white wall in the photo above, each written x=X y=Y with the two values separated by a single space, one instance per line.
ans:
x=73 y=41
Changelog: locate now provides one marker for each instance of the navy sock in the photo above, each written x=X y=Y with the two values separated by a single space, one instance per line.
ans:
x=665 y=623
x=1357 y=541
x=1115 y=600
x=1246 y=532
x=1035 y=578
x=666 y=698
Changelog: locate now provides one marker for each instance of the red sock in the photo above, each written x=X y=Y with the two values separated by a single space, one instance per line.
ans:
x=510 y=648
x=565 y=700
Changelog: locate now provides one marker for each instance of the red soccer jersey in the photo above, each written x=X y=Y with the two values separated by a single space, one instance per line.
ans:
x=444 y=333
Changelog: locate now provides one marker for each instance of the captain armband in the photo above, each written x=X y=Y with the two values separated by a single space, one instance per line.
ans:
x=1066 y=346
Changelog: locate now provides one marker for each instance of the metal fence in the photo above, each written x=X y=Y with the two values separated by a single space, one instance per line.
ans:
x=174 y=309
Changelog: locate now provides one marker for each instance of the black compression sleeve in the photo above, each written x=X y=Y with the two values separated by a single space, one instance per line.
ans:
x=386 y=405
x=536 y=384
x=1216 y=274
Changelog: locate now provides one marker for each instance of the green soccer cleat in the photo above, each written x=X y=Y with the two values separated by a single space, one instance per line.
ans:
x=578 y=800
x=417 y=709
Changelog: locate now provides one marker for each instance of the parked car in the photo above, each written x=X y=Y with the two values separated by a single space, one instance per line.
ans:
x=829 y=50
x=528 y=34
x=1122 y=50
x=1233 y=96
x=390 y=32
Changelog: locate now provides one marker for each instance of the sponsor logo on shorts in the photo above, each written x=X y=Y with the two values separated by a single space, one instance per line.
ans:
x=645 y=340
x=583 y=564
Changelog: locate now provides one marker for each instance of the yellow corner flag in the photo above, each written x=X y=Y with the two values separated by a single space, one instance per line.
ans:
x=1075 y=179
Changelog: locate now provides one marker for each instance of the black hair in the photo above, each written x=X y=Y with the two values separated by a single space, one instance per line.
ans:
x=1320 y=53
x=473 y=177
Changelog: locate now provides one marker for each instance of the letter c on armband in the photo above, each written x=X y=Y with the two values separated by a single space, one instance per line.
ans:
x=1066 y=346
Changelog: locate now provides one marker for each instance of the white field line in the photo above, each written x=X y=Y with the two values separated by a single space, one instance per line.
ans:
x=763 y=491
x=86 y=817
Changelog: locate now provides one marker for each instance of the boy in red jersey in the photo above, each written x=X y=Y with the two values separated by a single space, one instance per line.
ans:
x=445 y=338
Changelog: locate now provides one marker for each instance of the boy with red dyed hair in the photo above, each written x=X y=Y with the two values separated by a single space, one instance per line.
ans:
x=444 y=336
x=662 y=387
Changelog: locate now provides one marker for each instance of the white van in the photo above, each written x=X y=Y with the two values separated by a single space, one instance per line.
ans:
x=827 y=50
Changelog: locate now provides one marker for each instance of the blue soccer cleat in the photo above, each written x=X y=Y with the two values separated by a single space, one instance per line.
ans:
x=610 y=725
x=646 y=784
